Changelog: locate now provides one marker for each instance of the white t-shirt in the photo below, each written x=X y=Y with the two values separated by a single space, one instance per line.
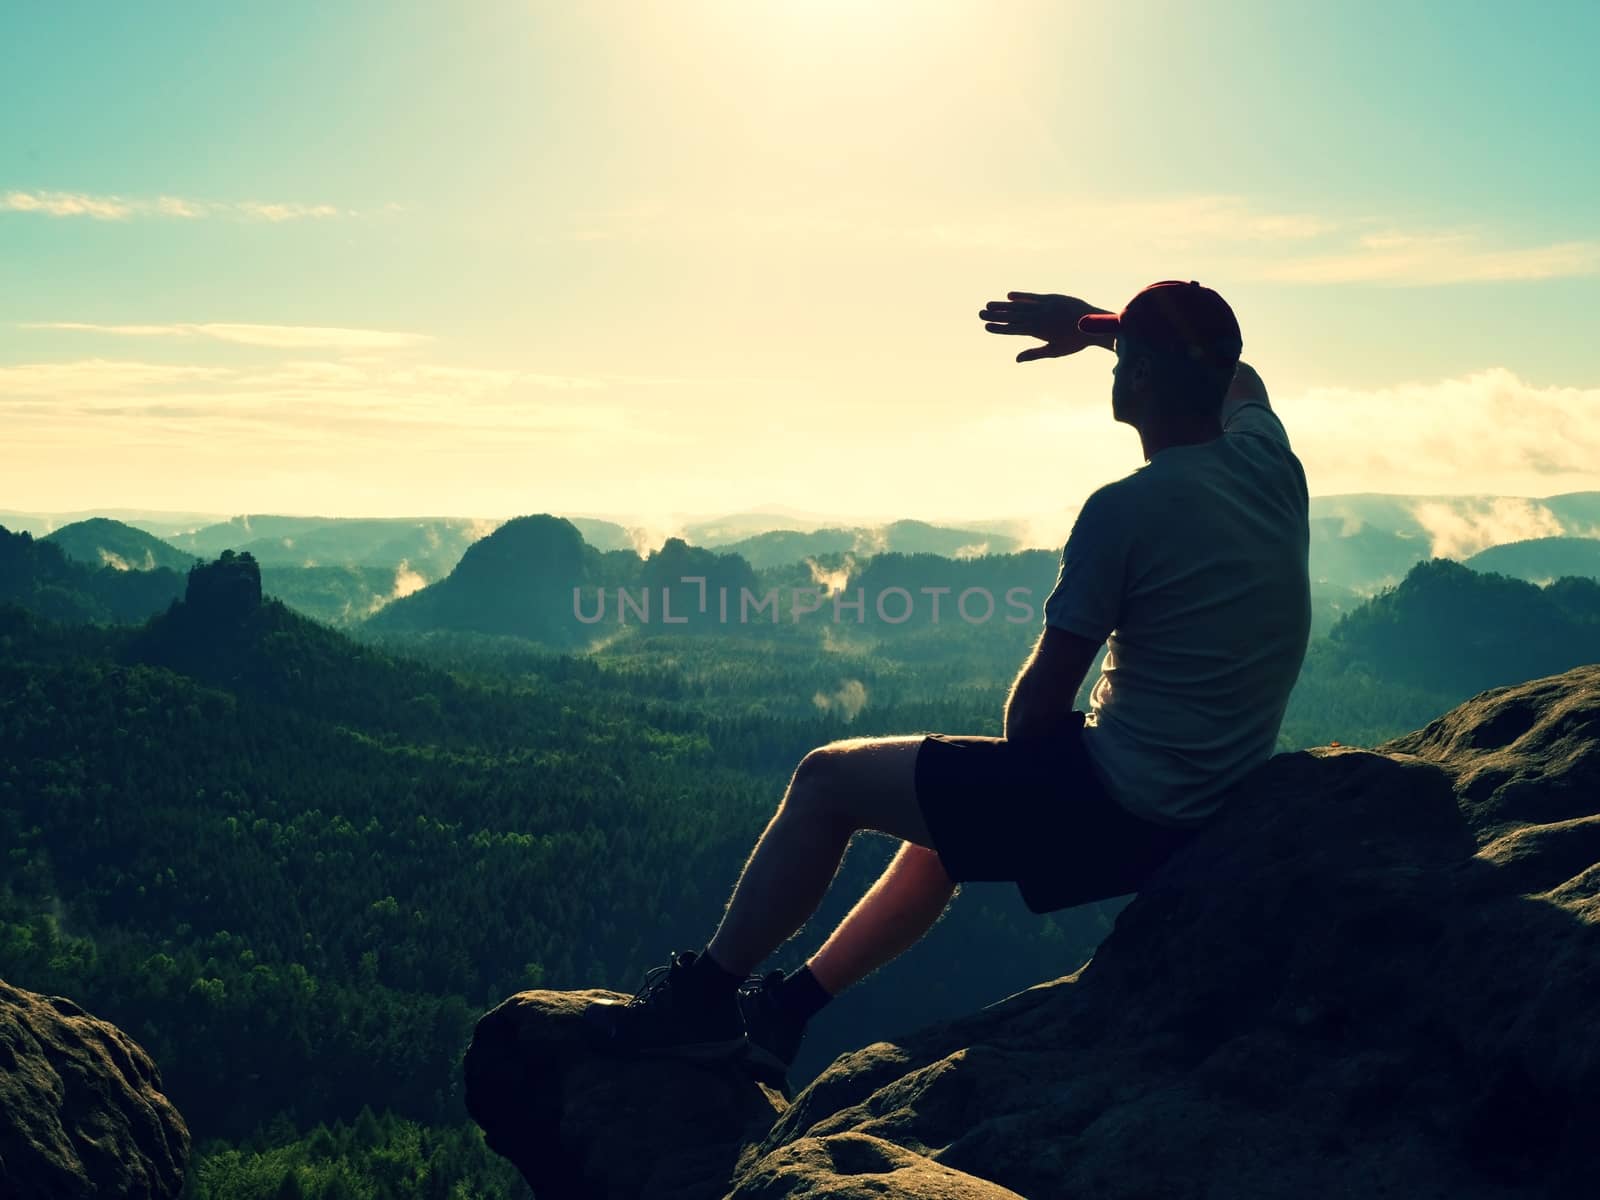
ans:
x=1194 y=569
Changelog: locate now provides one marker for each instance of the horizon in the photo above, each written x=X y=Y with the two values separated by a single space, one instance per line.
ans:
x=1456 y=525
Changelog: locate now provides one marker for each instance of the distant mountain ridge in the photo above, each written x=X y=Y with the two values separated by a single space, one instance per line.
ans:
x=780 y=547
x=428 y=545
x=1360 y=542
x=536 y=577
x=103 y=542
x=1539 y=560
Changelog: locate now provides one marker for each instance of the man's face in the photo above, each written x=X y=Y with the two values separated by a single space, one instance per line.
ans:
x=1127 y=383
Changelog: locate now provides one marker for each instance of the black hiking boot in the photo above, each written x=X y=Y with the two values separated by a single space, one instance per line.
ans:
x=671 y=1016
x=773 y=1035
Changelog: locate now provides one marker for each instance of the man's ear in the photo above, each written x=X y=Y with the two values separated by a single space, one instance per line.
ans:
x=1141 y=371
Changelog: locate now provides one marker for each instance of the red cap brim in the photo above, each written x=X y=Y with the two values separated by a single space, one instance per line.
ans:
x=1099 y=323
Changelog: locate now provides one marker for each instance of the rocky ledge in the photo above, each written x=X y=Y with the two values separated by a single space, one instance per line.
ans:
x=82 y=1113
x=1374 y=976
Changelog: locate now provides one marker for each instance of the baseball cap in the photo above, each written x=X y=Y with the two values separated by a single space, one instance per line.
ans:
x=1177 y=316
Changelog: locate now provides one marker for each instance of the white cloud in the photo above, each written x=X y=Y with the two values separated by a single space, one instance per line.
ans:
x=67 y=204
x=1222 y=234
x=1436 y=258
x=285 y=212
x=310 y=403
x=278 y=337
x=176 y=206
x=1461 y=529
x=119 y=208
x=96 y=376
x=1487 y=432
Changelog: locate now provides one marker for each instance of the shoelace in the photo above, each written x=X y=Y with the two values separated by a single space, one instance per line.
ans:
x=755 y=985
x=654 y=980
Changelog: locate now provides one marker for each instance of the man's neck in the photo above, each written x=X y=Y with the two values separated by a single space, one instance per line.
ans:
x=1156 y=440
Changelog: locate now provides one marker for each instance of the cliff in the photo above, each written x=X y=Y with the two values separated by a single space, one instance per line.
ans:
x=1373 y=976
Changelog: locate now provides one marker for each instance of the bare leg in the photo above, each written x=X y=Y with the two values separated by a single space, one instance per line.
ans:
x=864 y=783
x=904 y=904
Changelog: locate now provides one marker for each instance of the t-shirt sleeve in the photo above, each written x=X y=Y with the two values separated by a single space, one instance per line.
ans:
x=1087 y=597
x=1254 y=417
x=1245 y=409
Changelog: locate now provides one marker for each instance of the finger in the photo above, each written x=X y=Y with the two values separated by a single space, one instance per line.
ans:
x=1036 y=353
x=1000 y=306
x=994 y=328
x=1025 y=297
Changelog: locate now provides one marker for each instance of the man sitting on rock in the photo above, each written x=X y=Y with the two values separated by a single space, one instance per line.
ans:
x=1192 y=569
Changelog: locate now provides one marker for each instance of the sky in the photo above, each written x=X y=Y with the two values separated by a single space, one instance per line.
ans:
x=501 y=256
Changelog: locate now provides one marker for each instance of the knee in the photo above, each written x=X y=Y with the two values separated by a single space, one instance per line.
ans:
x=817 y=787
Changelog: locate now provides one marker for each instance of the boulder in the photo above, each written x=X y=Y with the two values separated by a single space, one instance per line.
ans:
x=82 y=1113
x=1374 y=975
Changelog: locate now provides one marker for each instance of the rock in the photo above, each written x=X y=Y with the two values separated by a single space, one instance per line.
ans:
x=81 y=1108
x=1375 y=975
x=579 y=1125
x=226 y=591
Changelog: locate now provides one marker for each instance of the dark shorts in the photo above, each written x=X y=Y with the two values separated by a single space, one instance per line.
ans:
x=1035 y=814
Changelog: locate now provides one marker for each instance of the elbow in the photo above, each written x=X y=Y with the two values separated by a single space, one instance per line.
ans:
x=1247 y=384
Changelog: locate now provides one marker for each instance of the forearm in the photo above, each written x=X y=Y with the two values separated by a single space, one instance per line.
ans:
x=1029 y=713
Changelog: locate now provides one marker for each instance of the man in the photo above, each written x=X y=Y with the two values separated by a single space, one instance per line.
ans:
x=1194 y=568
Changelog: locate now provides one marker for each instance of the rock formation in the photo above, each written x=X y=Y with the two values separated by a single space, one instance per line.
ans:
x=81 y=1108
x=1375 y=975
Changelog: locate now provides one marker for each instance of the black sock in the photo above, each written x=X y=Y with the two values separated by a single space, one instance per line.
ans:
x=800 y=997
x=710 y=978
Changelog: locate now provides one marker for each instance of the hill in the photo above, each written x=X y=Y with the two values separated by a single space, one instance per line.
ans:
x=519 y=580
x=783 y=546
x=1447 y=628
x=1539 y=560
x=102 y=542
x=39 y=577
x=535 y=577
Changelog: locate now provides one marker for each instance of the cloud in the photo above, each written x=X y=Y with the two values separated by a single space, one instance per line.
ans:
x=176 y=206
x=284 y=212
x=1026 y=226
x=97 y=376
x=1169 y=224
x=1416 y=259
x=407 y=580
x=1460 y=529
x=1227 y=234
x=119 y=208
x=847 y=701
x=316 y=406
x=67 y=204
x=1487 y=432
x=278 y=337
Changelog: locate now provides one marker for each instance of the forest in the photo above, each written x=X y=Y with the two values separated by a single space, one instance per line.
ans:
x=297 y=863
